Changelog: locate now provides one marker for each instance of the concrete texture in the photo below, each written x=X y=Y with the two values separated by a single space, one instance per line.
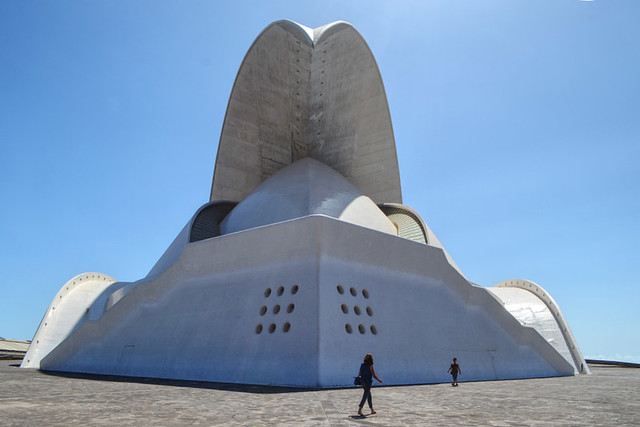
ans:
x=30 y=397
x=303 y=92
x=221 y=313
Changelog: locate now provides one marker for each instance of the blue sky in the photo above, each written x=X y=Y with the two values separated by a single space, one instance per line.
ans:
x=517 y=126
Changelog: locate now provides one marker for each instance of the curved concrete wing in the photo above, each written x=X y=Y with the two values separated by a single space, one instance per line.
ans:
x=297 y=96
x=534 y=307
x=69 y=309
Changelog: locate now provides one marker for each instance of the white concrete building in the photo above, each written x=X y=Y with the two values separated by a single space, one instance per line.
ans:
x=305 y=258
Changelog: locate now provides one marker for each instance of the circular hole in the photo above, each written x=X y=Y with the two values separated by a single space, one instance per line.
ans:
x=344 y=308
x=348 y=328
x=361 y=329
x=272 y=328
x=286 y=327
x=263 y=310
x=365 y=293
x=276 y=309
x=294 y=289
x=356 y=309
x=369 y=311
x=267 y=292
x=373 y=329
x=340 y=289
x=290 y=308
x=259 y=329
x=280 y=290
x=353 y=291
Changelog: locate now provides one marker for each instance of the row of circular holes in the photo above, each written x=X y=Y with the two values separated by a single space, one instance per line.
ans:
x=287 y=326
x=291 y=307
x=276 y=309
x=356 y=310
x=361 y=329
x=280 y=291
x=295 y=288
x=352 y=291
x=272 y=328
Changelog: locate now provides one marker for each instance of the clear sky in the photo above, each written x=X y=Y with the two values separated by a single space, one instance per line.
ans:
x=517 y=126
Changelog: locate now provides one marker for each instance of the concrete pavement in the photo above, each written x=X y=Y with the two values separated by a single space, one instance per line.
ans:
x=610 y=396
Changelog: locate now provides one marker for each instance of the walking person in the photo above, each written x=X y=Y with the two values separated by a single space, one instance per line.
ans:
x=454 y=369
x=367 y=373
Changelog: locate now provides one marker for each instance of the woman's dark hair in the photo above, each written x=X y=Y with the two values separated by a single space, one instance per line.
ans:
x=368 y=359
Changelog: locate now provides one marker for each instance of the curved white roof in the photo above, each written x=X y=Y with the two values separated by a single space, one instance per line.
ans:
x=307 y=93
x=306 y=187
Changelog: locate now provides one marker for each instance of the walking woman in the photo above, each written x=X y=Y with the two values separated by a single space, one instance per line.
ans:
x=367 y=373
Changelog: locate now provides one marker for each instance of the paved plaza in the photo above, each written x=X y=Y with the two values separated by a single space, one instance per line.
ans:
x=610 y=396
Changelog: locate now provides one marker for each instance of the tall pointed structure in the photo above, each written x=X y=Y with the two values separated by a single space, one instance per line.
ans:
x=305 y=257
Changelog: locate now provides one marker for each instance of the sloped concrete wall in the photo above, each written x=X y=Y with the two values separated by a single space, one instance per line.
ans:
x=210 y=315
x=423 y=312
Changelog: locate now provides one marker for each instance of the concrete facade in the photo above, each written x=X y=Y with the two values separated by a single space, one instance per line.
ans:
x=305 y=258
x=308 y=93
